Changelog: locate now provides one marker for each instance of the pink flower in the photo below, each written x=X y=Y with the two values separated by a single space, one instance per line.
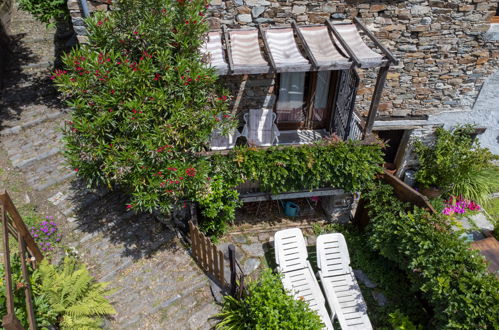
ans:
x=129 y=206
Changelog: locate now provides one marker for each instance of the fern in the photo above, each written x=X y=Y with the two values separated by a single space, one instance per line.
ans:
x=73 y=294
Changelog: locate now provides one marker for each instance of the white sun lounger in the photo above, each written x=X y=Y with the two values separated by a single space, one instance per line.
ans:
x=339 y=283
x=260 y=128
x=298 y=277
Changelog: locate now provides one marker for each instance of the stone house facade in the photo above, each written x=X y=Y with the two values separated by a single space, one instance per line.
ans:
x=448 y=61
x=444 y=50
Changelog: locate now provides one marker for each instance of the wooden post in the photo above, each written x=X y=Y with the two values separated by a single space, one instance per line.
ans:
x=6 y=261
x=344 y=44
x=233 y=270
x=209 y=255
x=10 y=322
x=267 y=47
x=378 y=90
x=241 y=287
x=194 y=243
x=228 y=48
x=221 y=275
x=27 y=288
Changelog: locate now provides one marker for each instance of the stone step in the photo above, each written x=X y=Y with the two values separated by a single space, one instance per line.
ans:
x=34 y=144
x=36 y=118
x=48 y=172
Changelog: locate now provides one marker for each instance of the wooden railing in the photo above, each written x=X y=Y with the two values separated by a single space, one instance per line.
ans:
x=13 y=224
x=207 y=255
x=211 y=260
x=402 y=190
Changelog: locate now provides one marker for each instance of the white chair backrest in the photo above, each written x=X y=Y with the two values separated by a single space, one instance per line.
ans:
x=290 y=250
x=332 y=255
x=222 y=142
x=261 y=127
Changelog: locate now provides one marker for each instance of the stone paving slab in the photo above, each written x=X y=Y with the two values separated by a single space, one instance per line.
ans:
x=158 y=285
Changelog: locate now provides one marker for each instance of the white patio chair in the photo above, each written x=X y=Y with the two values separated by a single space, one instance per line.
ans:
x=338 y=281
x=218 y=141
x=260 y=128
x=298 y=276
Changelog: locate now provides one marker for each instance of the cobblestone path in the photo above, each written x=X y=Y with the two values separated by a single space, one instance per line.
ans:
x=158 y=286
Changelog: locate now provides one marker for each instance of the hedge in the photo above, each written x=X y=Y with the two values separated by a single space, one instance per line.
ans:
x=452 y=277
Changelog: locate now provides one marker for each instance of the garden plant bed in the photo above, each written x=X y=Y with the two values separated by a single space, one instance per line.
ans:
x=384 y=287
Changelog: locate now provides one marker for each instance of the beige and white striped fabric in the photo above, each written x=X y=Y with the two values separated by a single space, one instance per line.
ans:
x=321 y=45
x=285 y=51
x=213 y=50
x=245 y=49
x=366 y=56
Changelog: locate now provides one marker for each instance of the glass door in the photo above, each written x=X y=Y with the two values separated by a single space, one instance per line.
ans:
x=290 y=107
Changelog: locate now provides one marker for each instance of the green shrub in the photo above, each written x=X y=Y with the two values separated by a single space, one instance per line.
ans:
x=399 y=321
x=73 y=294
x=46 y=11
x=452 y=277
x=267 y=306
x=44 y=314
x=143 y=103
x=453 y=162
x=348 y=165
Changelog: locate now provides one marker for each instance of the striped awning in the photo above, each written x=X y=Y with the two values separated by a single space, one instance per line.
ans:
x=294 y=49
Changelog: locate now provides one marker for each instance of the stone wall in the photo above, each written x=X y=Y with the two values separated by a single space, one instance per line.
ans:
x=444 y=57
x=5 y=15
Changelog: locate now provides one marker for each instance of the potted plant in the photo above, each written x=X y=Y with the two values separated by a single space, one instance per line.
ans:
x=453 y=163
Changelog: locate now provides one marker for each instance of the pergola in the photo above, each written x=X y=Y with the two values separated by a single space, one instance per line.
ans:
x=329 y=46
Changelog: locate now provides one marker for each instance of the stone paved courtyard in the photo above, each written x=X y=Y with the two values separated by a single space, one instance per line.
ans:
x=158 y=286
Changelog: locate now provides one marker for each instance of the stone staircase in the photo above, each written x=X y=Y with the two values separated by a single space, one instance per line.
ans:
x=157 y=284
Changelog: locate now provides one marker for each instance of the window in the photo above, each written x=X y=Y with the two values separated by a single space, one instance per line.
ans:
x=304 y=100
x=290 y=103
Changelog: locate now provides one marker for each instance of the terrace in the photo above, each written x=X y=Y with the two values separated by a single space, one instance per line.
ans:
x=315 y=80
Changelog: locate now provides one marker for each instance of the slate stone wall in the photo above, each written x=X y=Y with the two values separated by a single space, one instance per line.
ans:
x=5 y=15
x=444 y=56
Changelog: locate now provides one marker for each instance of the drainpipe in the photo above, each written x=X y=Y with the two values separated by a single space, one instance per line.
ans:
x=84 y=7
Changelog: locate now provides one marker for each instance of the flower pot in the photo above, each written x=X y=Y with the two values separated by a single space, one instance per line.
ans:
x=431 y=192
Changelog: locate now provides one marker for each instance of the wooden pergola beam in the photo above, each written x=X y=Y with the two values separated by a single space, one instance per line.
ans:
x=266 y=47
x=387 y=53
x=343 y=43
x=373 y=109
x=310 y=55
x=228 y=48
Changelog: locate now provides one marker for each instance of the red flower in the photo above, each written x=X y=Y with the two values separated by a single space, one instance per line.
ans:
x=112 y=91
x=129 y=206
x=190 y=171
x=156 y=76
x=172 y=169
x=76 y=170
x=201 y=14
x=99 y=23
x=186 y=22
x=135 y=32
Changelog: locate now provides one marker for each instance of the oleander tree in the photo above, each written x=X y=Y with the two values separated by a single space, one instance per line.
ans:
x=143 y=103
